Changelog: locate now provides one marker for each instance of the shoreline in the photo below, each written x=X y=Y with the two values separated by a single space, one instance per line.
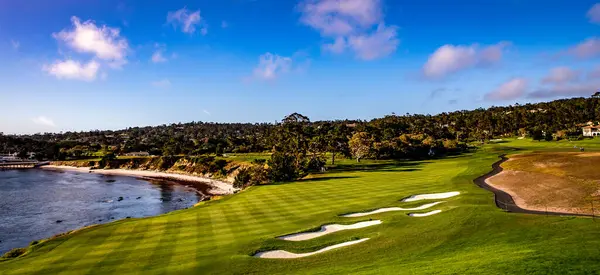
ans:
x=505 y=200
x=215 y=187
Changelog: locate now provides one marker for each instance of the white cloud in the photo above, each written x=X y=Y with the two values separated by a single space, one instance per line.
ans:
x=449 y=59
x=104 y=42
x=512 y=89
x=270 y=66
x=594 y=13
x=70 y=69
x=560 y=75
x=164 y=83
x=338 y=45
x=187 y=20
x=586 y=49
x=357 y=25
x=206 y=112
x=374 y=45
x=42 y=120
x=15 y=44
x=157 y=57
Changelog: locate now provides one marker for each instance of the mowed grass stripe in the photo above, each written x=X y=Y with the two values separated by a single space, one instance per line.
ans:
x=118 y=256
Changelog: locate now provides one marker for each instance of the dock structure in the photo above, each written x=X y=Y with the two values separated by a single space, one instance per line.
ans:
x=21 y=164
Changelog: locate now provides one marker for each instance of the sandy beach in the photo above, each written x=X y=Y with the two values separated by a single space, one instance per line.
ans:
x=217 y=187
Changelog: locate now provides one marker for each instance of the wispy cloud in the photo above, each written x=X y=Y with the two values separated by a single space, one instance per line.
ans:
x=187 y=21
x=42 y=120
x=512 y=89
x=206 y=112
x=355 y=25
x=157 y=57
x=560 y=75
x=15 y=44
x=270 y=66
x=586 y=49
x=70 y=69
x=450 y=59
x=593 y=14
x=567 y=90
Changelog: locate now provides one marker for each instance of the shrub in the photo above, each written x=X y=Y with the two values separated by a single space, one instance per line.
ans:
x=259 y=161
x=283 y=167
x=315 y=164
x=15 y=252
x=243 y=178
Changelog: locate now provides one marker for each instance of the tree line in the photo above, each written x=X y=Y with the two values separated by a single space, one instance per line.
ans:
x=304 y=143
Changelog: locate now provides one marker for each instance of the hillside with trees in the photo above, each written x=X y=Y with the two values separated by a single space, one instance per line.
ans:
x=298 y=140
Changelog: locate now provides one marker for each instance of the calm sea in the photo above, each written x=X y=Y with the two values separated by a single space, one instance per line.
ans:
x=37 y=204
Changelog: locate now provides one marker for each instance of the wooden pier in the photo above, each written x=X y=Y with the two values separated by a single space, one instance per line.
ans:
x=22 y=164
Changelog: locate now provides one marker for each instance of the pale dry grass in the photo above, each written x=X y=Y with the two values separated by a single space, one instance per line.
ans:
x=556 y=182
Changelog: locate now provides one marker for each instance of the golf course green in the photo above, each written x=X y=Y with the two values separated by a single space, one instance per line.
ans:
x=470 y=236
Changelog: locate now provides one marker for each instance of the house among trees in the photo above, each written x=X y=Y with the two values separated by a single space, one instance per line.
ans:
x=591 y=131
x=138 y=154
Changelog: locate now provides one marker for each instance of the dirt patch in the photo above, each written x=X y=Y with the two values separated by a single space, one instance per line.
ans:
x=547 y=182
x=546 y=192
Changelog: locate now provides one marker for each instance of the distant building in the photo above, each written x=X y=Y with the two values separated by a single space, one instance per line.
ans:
x=138 y=154
x=591 y=131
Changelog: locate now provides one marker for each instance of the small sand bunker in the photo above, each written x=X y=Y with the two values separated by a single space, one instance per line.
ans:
x=425 y=214
x=435 y=196
x=282 y=254
x=327 y=229
x=382 y=210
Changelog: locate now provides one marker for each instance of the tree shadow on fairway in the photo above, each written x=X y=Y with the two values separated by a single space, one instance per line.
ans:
x=316 y=178
x=388 y=166
x=325 y=178
x=506 y=149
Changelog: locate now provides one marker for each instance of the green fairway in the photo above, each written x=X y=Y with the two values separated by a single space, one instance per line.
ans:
x=470 y=235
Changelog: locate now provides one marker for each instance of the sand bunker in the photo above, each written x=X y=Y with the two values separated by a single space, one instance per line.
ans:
x=425 y=214
x=382 y=210
x=327 y=229
x=282 y=254
x=435 y=196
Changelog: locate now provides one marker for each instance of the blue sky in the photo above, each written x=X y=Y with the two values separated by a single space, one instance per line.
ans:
x=69 y=65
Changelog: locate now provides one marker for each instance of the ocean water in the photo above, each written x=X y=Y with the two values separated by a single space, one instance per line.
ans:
x=37 y=204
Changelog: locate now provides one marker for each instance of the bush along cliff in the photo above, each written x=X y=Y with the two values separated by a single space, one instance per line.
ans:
x=202 y=166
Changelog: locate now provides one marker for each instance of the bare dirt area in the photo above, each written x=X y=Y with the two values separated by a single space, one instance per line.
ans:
x=552 y=182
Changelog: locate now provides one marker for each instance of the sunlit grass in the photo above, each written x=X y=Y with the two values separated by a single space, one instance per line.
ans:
x=470 y=236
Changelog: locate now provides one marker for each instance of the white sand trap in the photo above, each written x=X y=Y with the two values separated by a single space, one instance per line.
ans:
x=282 y=254
x=382 y=210
x=425 y=214
x=327 y=229
x=435 y=196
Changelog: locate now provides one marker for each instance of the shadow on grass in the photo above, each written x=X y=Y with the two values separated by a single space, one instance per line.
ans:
x=325 y=178
x=315 y=179
x=388 y=166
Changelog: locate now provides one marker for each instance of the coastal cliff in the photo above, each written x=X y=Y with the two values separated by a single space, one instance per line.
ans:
x=206 y=167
